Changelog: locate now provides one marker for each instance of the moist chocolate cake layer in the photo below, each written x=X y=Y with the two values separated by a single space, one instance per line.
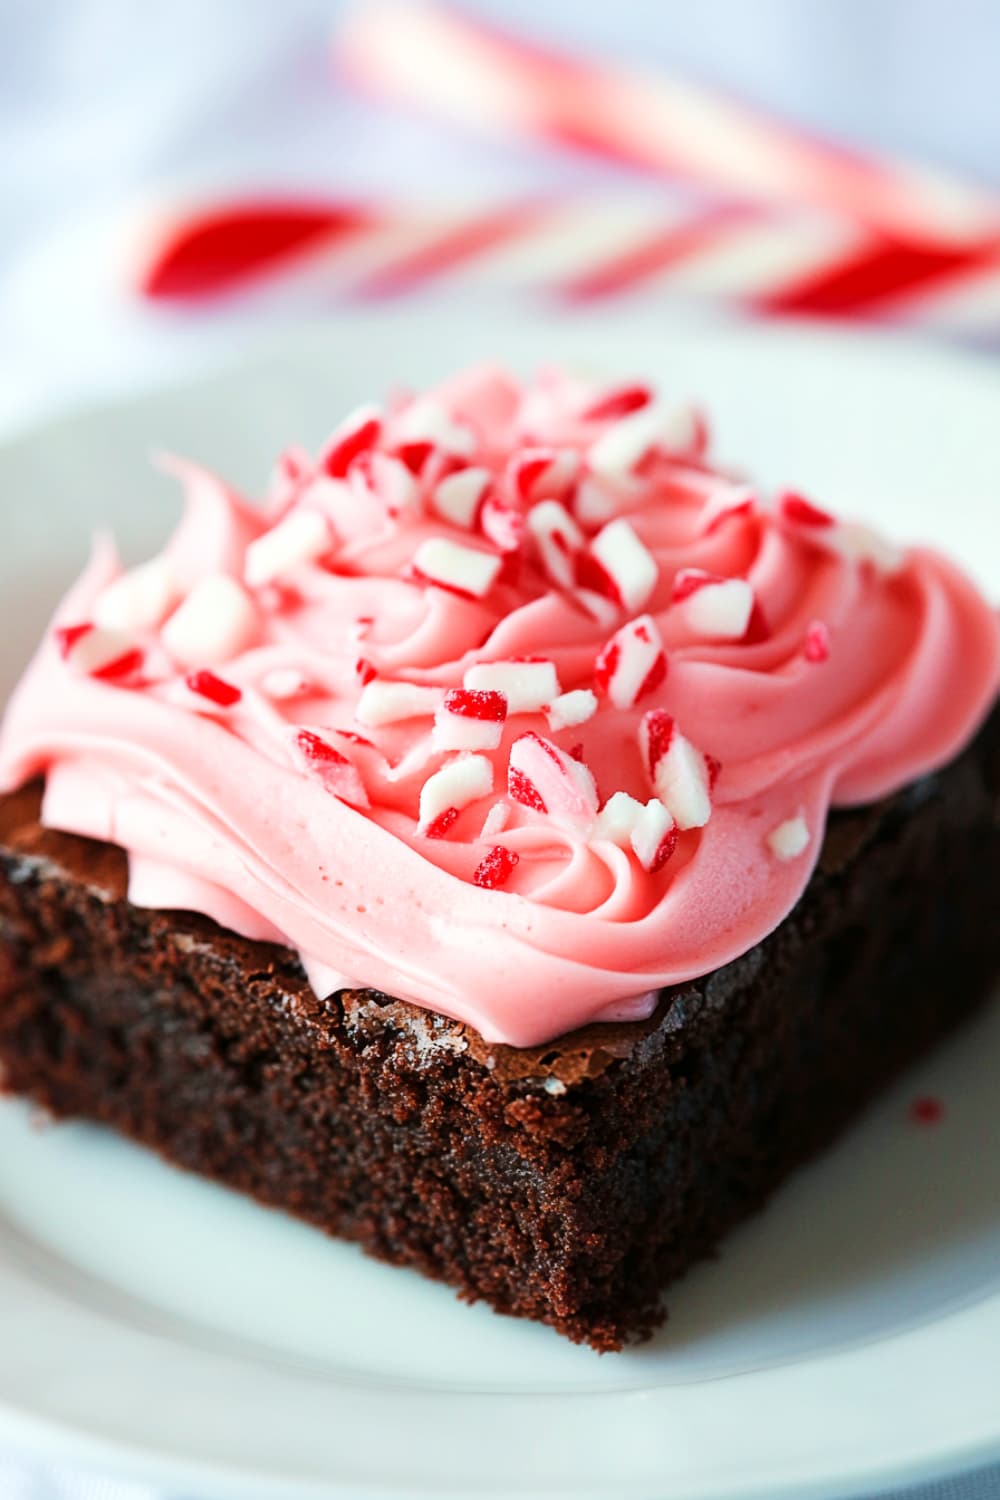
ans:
x=568 y=1183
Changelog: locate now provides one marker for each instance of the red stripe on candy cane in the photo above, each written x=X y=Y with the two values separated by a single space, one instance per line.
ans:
x=880 y=275
x=218 y=249
x=657 y=253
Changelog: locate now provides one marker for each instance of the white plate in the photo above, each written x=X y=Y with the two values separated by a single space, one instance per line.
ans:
x=847 y=1339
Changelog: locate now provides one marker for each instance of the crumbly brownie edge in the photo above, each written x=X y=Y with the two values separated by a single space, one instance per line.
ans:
x=570 y=1199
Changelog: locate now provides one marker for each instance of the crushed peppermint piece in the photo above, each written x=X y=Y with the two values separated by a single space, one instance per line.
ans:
x=715 y=608
x=501 y=523
x=558 y=539
x=358 y=432
x=570 y=709
x=91 y=650
x=789 y=839
x=469 y=720
x=496 y=868
x=726 y=504
x=802 y=512
x=140 y=599
x=461 y=781
x=333 y=770
x=632 y=664
x=392 y=702
x=527 y=685
x=680 y=774
x=654 y=836
x=618 y=402
x=214 y=623
x=458 y=496
x=206 y=685
x=496 y=820
x=304 y=536
x=625 y=568
x=442 y=823
x=618 y=818
x=544 y=778
x=864 y=544
x=461 y=570
x=425 y=420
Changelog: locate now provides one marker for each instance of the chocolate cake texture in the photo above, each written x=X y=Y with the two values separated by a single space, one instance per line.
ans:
x=569 y=1183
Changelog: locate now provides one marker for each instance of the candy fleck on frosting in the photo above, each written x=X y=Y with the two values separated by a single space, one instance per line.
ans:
x=515 y=670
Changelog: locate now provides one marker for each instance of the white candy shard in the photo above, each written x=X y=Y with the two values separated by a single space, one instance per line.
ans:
x=617 y=819
x=593 y=503
x=717 y=609
x=542 y=777
x=789 y=839
x=558 y=539
x=629 y=565
x=680 y=774
x=426 y=421
x=570 y=709
x=457 y=497
x=527 y=685
x=863 y=544
x=496 y=820
x=330 y=766
x=214 y=623
x=94 y=651
x=632 y=664
x=619 y=449
x=388 y=479
x=391 y=702
x=463 y=570
x=301 y=537
x=654 y=836
x=140 y=599
x=461 y=781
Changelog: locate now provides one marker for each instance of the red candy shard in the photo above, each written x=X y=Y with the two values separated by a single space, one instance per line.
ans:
x=476 y=703
x=318 y=750
x=501 y=523
x=656 y=674
x=529 y=469
x=758 y=629
x=619 y=403
x=207 y=685
x=441 y=824
x=817 y=643
x=524 y=791
x=497 y=868
x=659 y=730
x=344 y=449
x=606 y=665
x=803 y=513
x=122 y=666
x=364 y=671
x=592 y=574
x=576 y=751
x=414 y=455
x=926 y=1110
x=66 y=636
x=664 y=850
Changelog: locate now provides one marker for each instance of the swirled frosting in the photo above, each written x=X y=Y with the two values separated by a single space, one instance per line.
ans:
x=508 y=703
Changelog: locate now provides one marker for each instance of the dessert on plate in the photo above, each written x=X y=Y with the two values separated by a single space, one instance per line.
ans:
x=513 y=846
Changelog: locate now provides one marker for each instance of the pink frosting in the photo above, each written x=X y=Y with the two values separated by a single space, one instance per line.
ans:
x=832 y=674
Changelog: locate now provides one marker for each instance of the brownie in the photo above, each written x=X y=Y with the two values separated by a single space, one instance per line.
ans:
x=568 y=1183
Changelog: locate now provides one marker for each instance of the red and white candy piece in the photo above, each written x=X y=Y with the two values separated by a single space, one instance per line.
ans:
x=457 y=497
x=461 y=781
x=727 y=503
x=789 y=839
x=388 y=479
x=469 y=720
x=496 y=820
x=713 y=607
x=570 y=709
x=215 y=622
x=617 y=819
x=304 y=536
x=594 y=502
x=619 y=401
x=654 y=837
x=619 y=565
x=356 y=434
x=427 y=421
x=93 y=651
x=337 y=774
x=213 y=689
x=632 y=664
x=140 y=599
x=292 y=469
x=542 y=777
x=558 y=539
x=853 y=541
x=528 y=686
x=461 y=570
x=798 y=511
x=680 y=774
x=537 y=474
x=623 y=446
x=501 y=522
x=392 y=702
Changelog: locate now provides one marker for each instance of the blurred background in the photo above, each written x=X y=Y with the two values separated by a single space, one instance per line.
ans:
x=177 y=178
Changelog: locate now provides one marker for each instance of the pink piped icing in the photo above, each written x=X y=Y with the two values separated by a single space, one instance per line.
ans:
x=509 y=703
